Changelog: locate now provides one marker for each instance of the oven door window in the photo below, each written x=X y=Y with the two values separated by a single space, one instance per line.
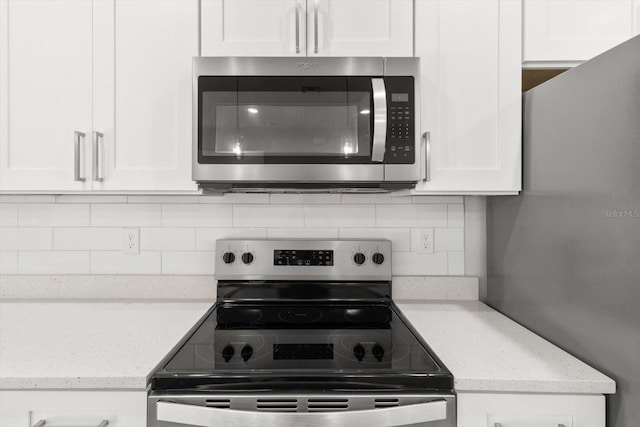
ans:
x=285 y=120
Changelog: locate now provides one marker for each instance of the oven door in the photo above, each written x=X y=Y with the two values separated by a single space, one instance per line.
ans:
x=272 y=410
x=290 y=128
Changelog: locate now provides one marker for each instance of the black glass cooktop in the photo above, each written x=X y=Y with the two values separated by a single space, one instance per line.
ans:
x=337 y=345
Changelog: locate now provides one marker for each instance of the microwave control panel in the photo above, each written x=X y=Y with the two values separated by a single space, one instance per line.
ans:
x=401 y=119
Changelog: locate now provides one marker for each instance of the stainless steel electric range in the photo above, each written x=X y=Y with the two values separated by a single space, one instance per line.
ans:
x=304 y=333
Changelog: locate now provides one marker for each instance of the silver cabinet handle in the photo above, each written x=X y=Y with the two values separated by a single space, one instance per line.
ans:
x=203 y=416
x=379 y=119
x=78 y=171
x=425 y=152
x=297 y=27
x=315 y=27
x=98 y=142
x=42 y=423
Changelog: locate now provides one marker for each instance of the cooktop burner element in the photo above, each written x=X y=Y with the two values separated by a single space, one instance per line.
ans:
x=302 y=316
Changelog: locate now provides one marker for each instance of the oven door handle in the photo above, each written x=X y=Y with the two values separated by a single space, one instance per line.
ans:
x=202 y=416
x=379 y=119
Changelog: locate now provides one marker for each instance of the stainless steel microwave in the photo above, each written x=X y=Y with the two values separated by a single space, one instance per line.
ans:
x=306 y=124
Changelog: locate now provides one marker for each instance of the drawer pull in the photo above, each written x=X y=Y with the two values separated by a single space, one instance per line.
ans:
x=42 y=423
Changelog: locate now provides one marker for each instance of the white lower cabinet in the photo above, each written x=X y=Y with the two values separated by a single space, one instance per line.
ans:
x=73 y=408
x=530 y=410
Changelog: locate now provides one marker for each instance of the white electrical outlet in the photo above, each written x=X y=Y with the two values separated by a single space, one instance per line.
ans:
x=131 y=241
x=424 y=240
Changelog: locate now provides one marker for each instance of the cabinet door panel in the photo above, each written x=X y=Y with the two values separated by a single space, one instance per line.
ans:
x=470 y=94
x=360 y=27
x=45 y=81
x=574 y=30
x=253 y=27
x=143 y=56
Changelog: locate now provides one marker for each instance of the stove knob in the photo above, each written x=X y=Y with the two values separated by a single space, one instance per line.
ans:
x=378 y=352
x=377 y=258
x=246 y=352
x=227 y=353
x=359 y=352
x=228 y=257
x=359 y=258
x=247 y=257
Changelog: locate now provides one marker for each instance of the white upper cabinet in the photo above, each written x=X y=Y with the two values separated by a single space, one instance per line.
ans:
x=307 y=27
x=142 y=87
x=45 y=88
x=253 y=27
x=360 y=27
x=470 y=95
x=567 y=32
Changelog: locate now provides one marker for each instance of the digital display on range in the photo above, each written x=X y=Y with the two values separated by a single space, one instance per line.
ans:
x=302 y=258
x=302 y=351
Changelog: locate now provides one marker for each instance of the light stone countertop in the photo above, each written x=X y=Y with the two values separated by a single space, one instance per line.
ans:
x=89 y=345
x=486 y=351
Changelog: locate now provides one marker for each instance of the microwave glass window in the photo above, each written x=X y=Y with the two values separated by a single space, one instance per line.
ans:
x=315 y=118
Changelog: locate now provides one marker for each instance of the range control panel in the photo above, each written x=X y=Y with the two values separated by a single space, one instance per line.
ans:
x=303 y=259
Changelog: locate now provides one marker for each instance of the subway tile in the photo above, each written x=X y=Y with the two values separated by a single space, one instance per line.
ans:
x=415 y=264
x=26 y=238
x=374 y=199
x=455 y=215
x=232 y=198
x=53 y=215
x=268 y=216
x=8 y=262
x=162 y=239
x=90 y=198
x=163 y=199
x=206 y=237
x=303 y=199
x=328 y=216
x=125 y=215
x=87 y=238
x=456 y=263
x=27 y=198
x=8 y=215
x=415 y=215
x=437 y=199
x=115 y=262
x=54 y=262
x=303 y=233
x=449 y=239
x=196 y=216
x=400 y=237
x=188 y=262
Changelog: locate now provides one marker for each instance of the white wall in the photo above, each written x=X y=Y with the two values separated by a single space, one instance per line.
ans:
x=84 y=234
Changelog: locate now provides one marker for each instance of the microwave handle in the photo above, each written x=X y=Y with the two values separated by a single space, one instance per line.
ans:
x=379 y=119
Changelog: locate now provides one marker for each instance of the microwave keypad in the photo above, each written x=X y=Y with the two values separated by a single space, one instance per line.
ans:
x=400 y=146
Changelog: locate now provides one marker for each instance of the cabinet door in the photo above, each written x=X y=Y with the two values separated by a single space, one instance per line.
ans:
x=360 y=27
x=530 y=410
x=253 y=27
x=571 y=31
x=45 y=87
x=142 y=93
x=471 y=95
x=73 y=408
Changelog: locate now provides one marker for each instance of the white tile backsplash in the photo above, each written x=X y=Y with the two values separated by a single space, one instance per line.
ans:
x=179 y=215
x=116 y=262
x=82 y=234
x=411 y=216
x=26 y=238
x=125 y=215
x=53 y=215
x=54 y=262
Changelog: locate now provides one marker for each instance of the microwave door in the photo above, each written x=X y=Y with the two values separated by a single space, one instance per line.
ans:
x=380 y=120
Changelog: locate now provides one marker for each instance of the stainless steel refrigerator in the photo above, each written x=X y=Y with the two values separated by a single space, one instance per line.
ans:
x=564 y=255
